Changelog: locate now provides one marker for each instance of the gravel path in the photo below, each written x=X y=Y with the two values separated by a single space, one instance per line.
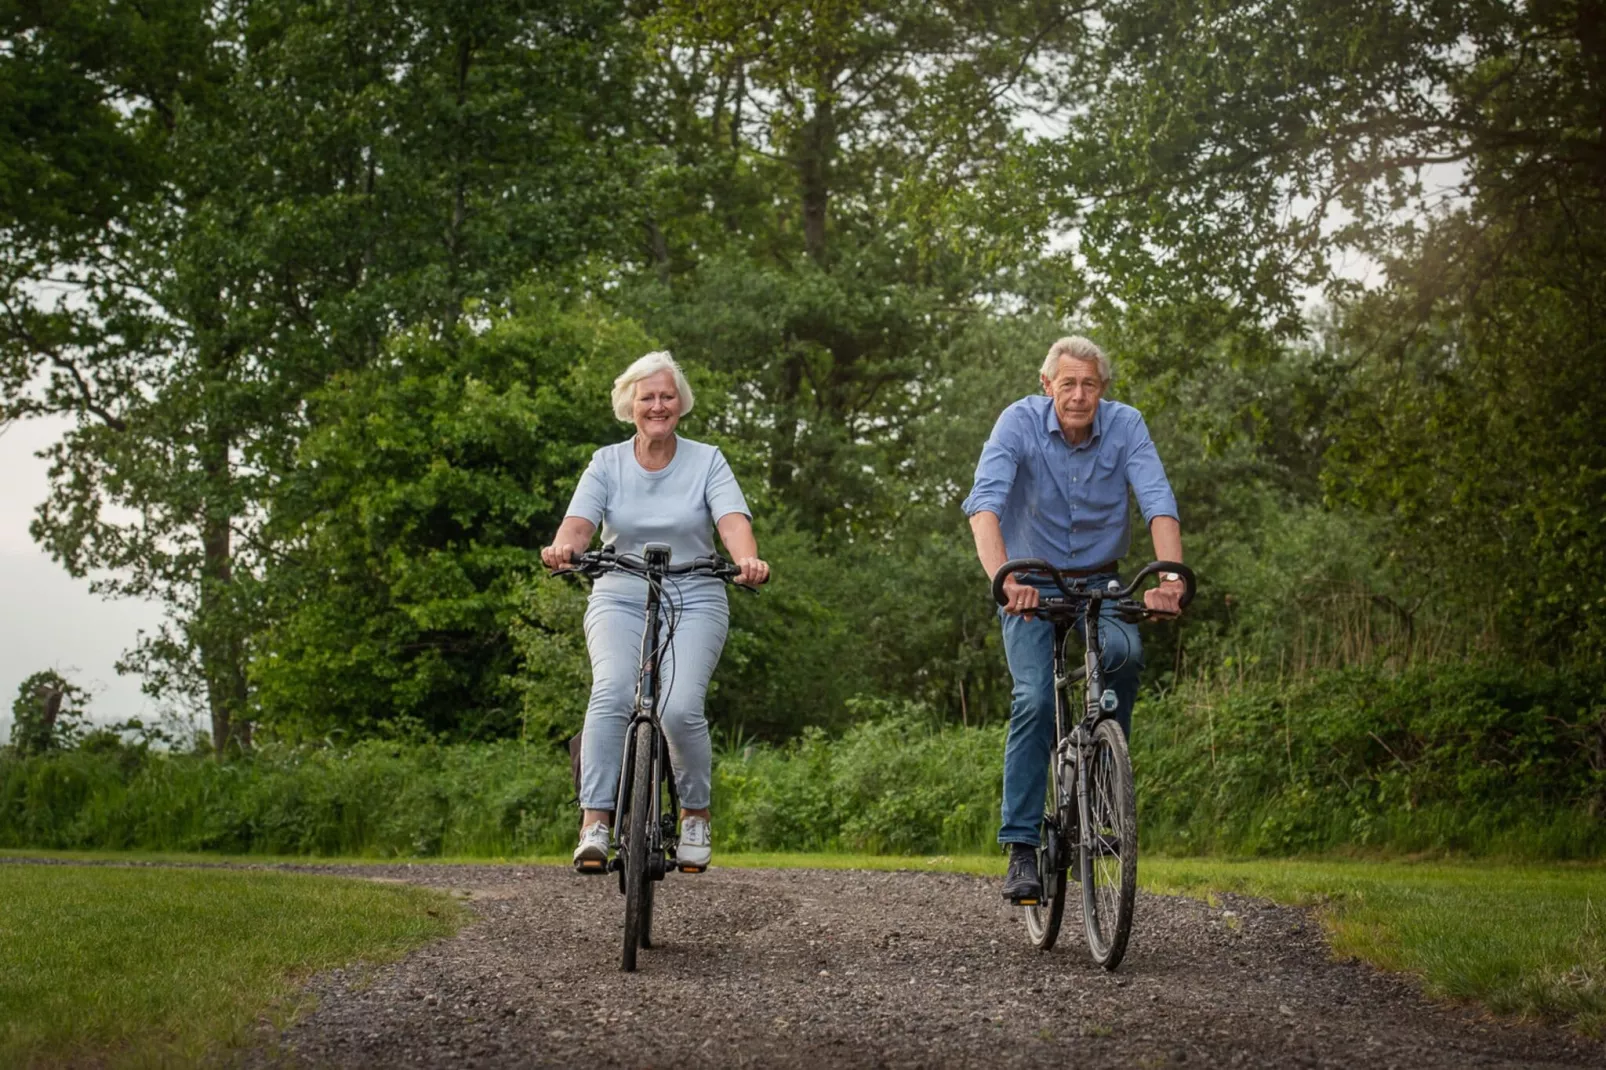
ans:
x=807 y=967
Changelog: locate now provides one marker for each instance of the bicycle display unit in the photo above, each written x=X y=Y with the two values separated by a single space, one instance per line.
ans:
x=646 y=815
x=1090 y=815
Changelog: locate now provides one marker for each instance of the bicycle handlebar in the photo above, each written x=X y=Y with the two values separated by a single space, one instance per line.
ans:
x=596 y=562
x=1077 y=588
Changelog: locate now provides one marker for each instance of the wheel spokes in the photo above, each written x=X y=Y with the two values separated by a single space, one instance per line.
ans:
x=1105 y=837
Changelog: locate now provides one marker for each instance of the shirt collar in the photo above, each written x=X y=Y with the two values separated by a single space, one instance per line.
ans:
x=1051 y=423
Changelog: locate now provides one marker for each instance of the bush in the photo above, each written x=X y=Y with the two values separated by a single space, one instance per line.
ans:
x=1480 y=759
x=1473 y=759
x=372 y=799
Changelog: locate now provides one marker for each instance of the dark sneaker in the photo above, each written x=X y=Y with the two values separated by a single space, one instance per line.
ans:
x=1021 y=885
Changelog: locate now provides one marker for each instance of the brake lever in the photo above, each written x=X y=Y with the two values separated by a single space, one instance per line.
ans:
x=1135 y=612
x=1131 y=614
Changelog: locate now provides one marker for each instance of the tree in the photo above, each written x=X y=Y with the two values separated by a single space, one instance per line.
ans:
x=1237 y=151
x=1240 y=152
x=48 y=713
x=416 y=511
x=300 y=183
x=856 y=159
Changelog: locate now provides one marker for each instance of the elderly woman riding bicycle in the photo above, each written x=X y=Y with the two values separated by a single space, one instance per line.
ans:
x=654 y=487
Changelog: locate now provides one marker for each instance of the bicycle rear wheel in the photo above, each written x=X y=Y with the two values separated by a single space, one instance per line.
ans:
x=1043 y=918
x=1108 y=852
x=637 y=880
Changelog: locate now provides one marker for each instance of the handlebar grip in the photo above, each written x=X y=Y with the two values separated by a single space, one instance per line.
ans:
x=1012 y=566
x=1154 y=568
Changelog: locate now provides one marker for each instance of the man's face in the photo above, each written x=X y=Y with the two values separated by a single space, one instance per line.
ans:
x=1076 y=389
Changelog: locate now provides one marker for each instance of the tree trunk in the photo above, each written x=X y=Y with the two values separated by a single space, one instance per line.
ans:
x=53 y=697
x=783 y=444
x=814 y=174
x=217 y=630
x=220 y=648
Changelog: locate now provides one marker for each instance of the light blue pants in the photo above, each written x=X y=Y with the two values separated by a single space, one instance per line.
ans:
x=613 y=636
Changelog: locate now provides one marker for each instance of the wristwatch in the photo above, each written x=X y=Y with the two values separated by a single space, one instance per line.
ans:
x=1170 y=577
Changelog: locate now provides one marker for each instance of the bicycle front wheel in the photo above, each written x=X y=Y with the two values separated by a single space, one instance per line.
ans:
x=648 y=892
x=1108 y=851
x=637 y=906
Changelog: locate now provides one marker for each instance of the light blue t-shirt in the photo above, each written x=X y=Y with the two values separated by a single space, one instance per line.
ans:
x=679 y=504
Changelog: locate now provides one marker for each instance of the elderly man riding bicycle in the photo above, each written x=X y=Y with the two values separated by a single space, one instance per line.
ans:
x=1052 y=483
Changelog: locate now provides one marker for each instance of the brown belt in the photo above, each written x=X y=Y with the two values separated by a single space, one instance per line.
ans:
x=1097 y=570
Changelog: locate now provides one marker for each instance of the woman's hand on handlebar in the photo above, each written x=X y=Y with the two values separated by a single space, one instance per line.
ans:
x=751 y=571
x=1020 y=598
x=560 y=555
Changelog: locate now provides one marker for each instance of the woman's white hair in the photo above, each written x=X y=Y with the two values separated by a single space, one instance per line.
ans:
x=624 y=387
x=1077 y=348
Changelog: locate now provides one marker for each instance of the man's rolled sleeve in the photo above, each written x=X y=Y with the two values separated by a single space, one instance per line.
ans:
x=995 y=471
x=1147 y=477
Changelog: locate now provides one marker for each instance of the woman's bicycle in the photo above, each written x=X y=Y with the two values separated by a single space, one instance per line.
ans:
x=646 y=808
x=1090 y=817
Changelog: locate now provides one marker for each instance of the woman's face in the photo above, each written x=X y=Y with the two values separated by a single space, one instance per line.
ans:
x=657 y=408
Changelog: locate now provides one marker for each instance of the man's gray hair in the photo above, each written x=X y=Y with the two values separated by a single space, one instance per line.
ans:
x=1077 y=348
x=624 y=387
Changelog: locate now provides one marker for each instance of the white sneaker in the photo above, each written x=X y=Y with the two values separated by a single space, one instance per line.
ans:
x=696 y=844
x=592 y=854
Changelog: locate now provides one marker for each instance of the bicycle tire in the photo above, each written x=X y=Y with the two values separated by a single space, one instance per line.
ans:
x=1043 y=919
x=1108 y=848
x=635 y=860
x=648 y=896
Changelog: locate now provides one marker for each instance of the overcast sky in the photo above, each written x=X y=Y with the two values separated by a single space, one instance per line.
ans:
x=51 y=621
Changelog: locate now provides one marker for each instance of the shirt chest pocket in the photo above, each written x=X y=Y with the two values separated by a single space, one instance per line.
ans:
x=1105 y=494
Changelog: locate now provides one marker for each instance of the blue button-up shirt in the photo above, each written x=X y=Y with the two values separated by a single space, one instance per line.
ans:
x=1067 y=504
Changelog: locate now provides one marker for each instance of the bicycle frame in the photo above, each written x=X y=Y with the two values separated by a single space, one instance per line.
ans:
x=660 y=826
x=1072 y=741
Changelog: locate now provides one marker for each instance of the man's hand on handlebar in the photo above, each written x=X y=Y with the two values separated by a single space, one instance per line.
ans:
x=751 y=571
x=558 y=556
x=1020 y=598
x=1166 y=599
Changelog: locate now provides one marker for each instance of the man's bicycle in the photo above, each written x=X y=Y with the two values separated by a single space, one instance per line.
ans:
x=646 y=808
x=1090 y=817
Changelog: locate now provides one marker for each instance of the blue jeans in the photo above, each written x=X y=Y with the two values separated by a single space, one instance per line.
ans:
x=1029 y=648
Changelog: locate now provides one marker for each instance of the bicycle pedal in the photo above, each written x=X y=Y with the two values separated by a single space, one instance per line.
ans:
x=1026 y=902
x=591 y=865
x=692 y=869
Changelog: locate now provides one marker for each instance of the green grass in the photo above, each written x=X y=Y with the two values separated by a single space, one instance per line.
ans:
x=150 y=967
x=1520 y=940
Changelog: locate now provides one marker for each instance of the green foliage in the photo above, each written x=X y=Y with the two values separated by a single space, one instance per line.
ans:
x=893 y=785
x=372 y=799
x=1443 y=758
x=330 y=296
x=47 y=714
x=1440 y=758
x=1242 y=158
x=271 y=192
x=1475 y=424
x=425 y=492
